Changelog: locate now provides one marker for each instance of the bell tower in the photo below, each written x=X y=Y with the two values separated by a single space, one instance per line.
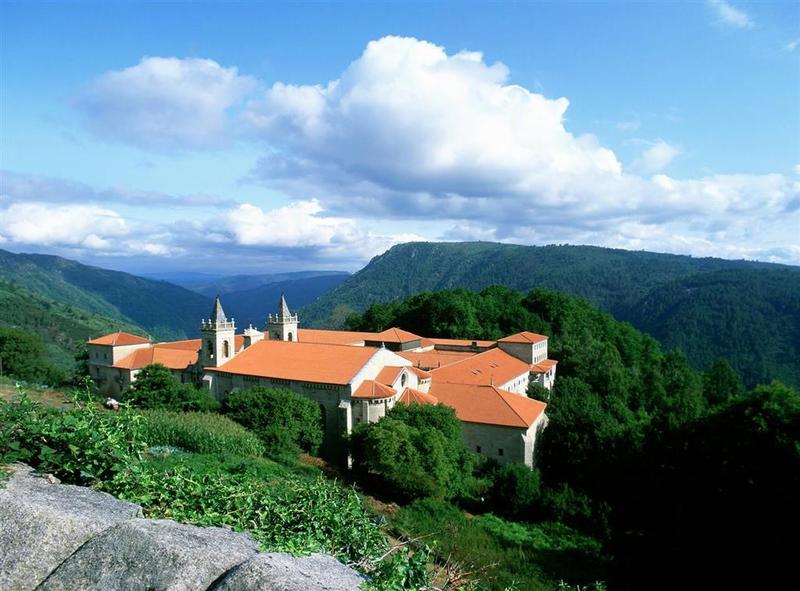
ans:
x=217 y=338
x=283 y=325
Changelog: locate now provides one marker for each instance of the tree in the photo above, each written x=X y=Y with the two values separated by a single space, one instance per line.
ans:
x=157 y=387
x=515 y=490
x=721 y=383
x=24 y=356
x=417 y=450
x=285 y=421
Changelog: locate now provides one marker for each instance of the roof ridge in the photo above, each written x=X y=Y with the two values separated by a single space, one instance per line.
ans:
x=503 y=398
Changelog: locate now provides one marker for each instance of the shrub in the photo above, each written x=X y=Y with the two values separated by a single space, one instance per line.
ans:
x=515 y=490
x=83 y=445
x=285 y=421
x=24 y=356
x=299 y=516
x=418 y=450
x=156 y=387
x=199 y=432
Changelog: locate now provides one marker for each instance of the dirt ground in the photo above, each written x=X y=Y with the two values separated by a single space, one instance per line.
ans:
x=54 y=398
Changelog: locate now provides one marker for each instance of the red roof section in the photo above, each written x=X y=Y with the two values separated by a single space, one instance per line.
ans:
x=411 y=396
x=388 y=375
x=395 y=335
x=119 y=339
x=489 y=405
x=462 y=342
x=299 y=361
x=523 y=337
x=370 y=389
x=333 y=337
x=494 y=366
x=171 y=358
x=433 y=359
x=543 y=366
x=421 y=373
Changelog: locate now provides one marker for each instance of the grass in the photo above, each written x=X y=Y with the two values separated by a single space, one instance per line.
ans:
x=199 y=432
x=502 y=553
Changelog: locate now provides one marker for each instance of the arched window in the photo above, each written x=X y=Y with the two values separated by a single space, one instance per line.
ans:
x=211 y=349
x=290 y=336
x=226 y=349
x=403 y=379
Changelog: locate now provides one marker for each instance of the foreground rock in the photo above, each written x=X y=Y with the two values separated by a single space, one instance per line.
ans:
x=145 y=554
x=43 y=522
x=281 y=572
x=61 y=537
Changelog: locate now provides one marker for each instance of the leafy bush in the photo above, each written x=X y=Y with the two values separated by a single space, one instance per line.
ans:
x=23 y=355
x=515 y=490
x=299 y=516
x=199 y=432
x=83 y=445
x=156 y=387
x=284 y=420
x=418 y=450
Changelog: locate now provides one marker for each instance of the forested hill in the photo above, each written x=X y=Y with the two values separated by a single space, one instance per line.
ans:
x=632 y=285
x=162 y=309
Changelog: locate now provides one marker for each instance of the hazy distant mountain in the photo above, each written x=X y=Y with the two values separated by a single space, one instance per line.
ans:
x=211 y=285
x=251 y=306
x=679 y=299
x=162 y=309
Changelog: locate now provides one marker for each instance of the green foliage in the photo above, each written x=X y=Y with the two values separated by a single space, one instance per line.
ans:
x=500 y=553
x=156 y=387
x=293 y=515
x=418 y=450
x=721 y=383
x=199 y=432
x=83 y=445
x=515 y=490
x=285 y=421
x=23 y=356
x=64 y=329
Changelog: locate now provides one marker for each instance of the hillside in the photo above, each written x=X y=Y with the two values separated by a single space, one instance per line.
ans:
x=162 y=309
x=618 y=281
x=63 y=328
x=251 y=306
x=749 y=316
x=212 y=285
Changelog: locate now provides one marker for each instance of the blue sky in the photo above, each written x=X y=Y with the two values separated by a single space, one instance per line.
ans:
x=256 y=136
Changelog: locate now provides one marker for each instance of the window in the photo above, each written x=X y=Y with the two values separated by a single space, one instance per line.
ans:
x=478 y=448
x=403 y=379
x=500 y=452
x=290 y=337
x=226 y=349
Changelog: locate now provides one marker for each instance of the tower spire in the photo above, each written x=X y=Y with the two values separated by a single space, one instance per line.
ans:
x=218 y=314
x=283 y=309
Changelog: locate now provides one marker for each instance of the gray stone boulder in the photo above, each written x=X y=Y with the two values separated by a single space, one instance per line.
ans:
x=143 y=555
x=282 y=572
x=43 y=522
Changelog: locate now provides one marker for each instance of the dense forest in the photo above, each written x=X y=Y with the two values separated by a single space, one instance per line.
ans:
x=744 y=311
x=162 y=309
x=681 y=474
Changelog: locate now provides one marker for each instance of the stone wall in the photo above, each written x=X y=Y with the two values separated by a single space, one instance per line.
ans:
x=61 y=537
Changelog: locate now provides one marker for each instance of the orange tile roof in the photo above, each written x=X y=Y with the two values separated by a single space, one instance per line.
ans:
x=494 y=366
x=171 y=358
x=433 y=359
x=462 y=342
x=395 y=335
x=543 y=366
x=523 y=337
x=488 y=405
x=333 y=337
x=421 y=373
x=118 y=339
x=370 y=389
x=411 y=396
x=388 y=375
x=299 y=361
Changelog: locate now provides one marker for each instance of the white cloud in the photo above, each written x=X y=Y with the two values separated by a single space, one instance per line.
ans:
x=164 y=102
x=66 y=225
x=792 y=45
x=728 y=14
x=656 y=157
